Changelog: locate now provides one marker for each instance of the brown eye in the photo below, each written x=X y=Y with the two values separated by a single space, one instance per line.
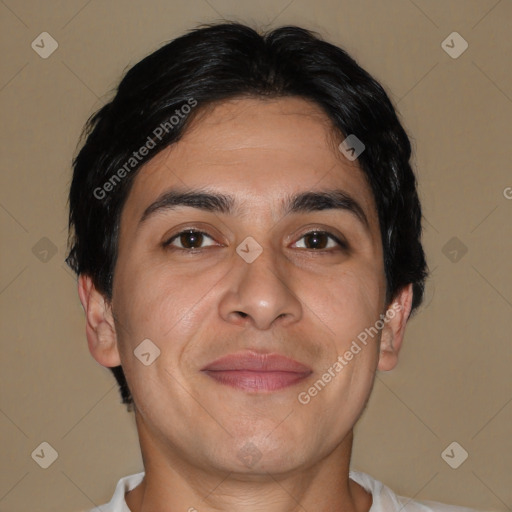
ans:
x=189 y=239
x=318 y=240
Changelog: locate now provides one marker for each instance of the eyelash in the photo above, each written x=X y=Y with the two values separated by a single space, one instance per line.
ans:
x=168 y=244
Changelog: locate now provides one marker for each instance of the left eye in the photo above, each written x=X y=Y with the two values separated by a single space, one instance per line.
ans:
x=319 y=240
x=189 y=239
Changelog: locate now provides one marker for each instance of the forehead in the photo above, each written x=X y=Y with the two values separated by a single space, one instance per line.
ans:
x=261 y=151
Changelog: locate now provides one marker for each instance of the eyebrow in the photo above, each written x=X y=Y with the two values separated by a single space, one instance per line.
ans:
x=304 y=202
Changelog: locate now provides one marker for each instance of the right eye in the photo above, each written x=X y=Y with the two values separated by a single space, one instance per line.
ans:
x=188 y=239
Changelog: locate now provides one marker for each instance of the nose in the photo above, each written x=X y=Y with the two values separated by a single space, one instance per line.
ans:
x=260 y=293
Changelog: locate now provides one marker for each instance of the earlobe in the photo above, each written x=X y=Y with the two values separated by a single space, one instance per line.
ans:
x=393 y=331
x=100 y=326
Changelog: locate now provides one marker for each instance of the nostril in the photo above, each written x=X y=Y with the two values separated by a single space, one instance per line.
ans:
x=242 y=314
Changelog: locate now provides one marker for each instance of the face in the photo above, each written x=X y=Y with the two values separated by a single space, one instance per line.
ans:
x=256 y=273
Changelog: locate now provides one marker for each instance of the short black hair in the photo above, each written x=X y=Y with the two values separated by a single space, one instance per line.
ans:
x=158 y=97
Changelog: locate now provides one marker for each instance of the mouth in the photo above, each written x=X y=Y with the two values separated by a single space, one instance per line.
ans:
x=252 y=371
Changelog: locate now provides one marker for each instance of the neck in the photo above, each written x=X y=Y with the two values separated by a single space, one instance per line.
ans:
x=173 y=482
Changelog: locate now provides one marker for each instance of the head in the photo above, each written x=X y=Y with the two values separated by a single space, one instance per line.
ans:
x=221 y=135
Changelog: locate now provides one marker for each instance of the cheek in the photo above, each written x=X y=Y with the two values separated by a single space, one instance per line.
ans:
x=156 y=304
x=346 y=302
x=159 y=302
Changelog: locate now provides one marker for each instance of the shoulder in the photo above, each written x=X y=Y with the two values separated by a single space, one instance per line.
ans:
x=118 y=503
x=384 y=499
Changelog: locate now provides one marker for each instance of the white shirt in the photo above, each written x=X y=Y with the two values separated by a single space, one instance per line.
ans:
x=384 y=499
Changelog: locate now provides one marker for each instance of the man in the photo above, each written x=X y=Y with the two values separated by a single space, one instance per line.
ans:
x=247 y=235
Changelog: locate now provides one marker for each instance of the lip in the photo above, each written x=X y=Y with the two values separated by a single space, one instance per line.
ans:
x=252 y=371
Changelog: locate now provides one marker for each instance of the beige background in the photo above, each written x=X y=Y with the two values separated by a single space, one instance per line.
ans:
x=453 y=381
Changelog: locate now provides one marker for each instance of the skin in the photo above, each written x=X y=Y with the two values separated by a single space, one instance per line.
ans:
x=306 y=303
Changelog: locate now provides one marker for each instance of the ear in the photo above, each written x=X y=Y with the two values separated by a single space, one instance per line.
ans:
x=393 y=331
x=100 y=327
